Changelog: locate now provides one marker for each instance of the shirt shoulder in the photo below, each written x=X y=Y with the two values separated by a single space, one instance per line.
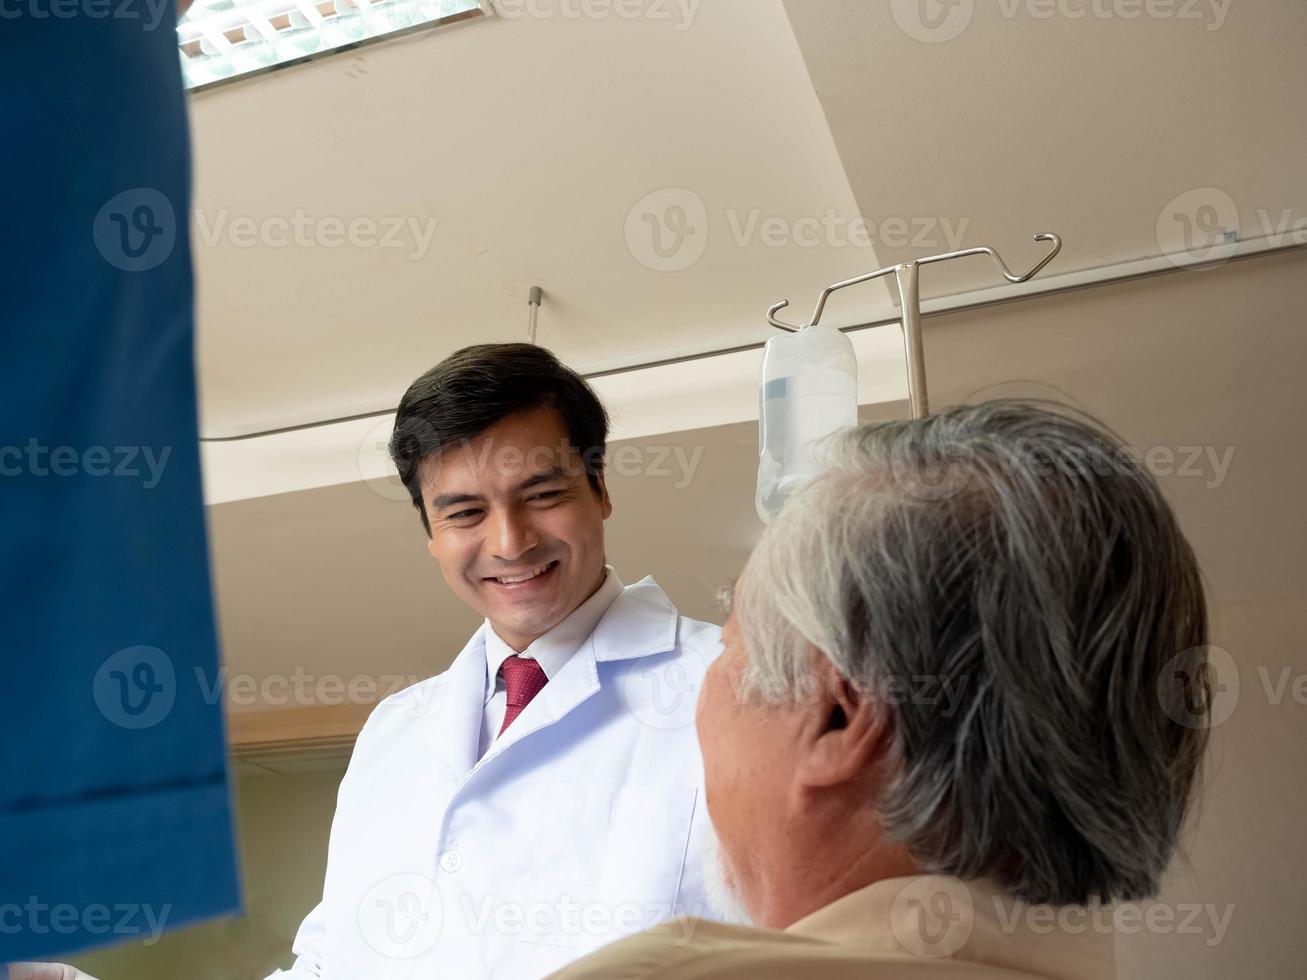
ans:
x=693 y=949
x=703 y=638
x=397 y=712
x=697 y=949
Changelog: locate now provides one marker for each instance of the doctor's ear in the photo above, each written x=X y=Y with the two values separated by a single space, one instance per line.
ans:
x=605 y=502
x=845 y=734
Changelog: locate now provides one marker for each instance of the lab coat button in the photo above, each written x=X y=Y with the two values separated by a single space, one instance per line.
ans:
x=451 y=861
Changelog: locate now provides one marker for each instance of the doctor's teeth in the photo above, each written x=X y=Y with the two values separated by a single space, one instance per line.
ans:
x=524 y=578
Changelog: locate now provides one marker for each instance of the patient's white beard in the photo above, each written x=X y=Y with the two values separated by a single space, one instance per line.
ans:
x=717 y=880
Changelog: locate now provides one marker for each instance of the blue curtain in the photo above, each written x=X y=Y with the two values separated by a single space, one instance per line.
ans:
x=115 y=817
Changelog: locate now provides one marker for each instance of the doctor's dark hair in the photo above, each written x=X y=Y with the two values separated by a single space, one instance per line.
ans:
x=479 y=386
x=1019 y=579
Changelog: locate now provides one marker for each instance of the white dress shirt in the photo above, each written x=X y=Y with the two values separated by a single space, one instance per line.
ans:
x=551 y=651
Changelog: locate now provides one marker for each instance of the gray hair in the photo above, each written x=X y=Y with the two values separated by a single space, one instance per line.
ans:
x=1014 y=574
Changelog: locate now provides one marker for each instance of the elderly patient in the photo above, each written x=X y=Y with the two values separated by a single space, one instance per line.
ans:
x=959 y=713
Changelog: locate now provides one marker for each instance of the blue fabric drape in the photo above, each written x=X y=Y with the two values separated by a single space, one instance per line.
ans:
x=115 y=816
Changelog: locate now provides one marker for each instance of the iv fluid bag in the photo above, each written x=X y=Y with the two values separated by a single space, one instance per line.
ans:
x=809 y=390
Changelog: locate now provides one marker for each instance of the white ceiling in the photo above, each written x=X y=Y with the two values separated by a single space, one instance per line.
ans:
x=1012 y=118
x=528 y=141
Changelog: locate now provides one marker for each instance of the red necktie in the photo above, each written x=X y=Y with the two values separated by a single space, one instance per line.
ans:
x=524 y=679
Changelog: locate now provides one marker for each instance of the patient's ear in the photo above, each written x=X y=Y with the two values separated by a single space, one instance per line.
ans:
x=845 y=733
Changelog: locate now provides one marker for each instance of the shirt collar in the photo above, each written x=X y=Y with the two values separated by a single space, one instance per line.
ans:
x=886 y=916
x=555 y=647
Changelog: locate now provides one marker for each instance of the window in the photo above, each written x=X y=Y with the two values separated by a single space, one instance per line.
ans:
x=226 y=39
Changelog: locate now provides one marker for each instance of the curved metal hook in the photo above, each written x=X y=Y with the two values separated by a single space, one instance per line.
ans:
x=1046 y=236
x=998 y=259
x=780 y=324
x=902 y=269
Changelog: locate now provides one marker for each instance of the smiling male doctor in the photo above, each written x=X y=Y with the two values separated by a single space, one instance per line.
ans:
x=542 y=796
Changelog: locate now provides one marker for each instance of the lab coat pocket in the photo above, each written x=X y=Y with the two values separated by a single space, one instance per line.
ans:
x=609 y=862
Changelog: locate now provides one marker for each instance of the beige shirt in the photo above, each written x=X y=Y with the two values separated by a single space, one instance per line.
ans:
x=918 y=928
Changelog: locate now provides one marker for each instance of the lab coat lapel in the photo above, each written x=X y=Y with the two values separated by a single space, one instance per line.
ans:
x=576 y=682
x=640 y=622
x=453 y=722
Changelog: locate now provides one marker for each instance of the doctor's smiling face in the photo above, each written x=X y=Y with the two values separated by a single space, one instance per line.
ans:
x=517 y=524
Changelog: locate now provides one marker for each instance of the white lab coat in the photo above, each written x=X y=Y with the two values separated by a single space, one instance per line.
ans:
x=580 y=825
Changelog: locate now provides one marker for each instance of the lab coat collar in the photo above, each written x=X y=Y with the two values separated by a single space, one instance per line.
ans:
x=453 y=717
x=640 y=622
x=553 y=649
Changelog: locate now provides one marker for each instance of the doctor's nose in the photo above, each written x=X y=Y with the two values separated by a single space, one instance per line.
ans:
x=511 y=536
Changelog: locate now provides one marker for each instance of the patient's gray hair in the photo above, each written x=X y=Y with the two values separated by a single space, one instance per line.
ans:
x=1015 y=564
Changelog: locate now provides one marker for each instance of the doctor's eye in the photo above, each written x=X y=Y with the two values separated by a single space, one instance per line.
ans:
x=547 y=495
x=463 y=515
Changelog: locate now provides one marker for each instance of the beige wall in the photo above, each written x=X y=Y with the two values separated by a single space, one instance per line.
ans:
x=1213 y=358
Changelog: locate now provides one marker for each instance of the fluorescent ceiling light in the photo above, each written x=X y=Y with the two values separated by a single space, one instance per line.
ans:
x=225 y=39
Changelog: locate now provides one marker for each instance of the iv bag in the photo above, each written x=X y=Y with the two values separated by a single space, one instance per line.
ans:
x=809 y=390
